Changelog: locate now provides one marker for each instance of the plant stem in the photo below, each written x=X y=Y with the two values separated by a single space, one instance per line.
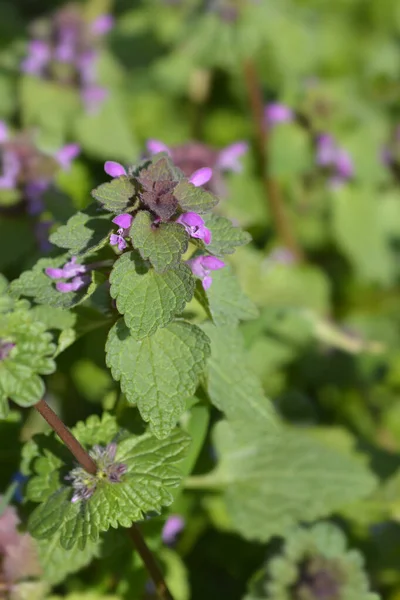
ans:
x=272 y=191
x=69 y=440
x=90 y=466
x=151 y=565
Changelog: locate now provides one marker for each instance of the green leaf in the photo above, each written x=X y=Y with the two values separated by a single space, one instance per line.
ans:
x=148 y=299
x=115 y=195
x=54 y=318
x=57 y=563
x=163 y=245
x=144 y=487
x=232 y=385
x=30 y=356
x=160 y=372
x=194 y=199
x=272 y=483
x=39 y=286
x=367 y=247
x=225 y=237
x=228 y=303
x=85 y=232
x=96 y=430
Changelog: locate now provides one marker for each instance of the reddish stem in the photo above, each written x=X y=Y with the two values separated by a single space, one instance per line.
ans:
x=272 y=191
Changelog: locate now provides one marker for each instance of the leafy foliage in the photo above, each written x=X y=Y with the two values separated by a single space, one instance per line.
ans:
x=26 y=353
x=84 y=232
x=163 y=245
x=114 y=195
x=160 y=372
x=146 y=298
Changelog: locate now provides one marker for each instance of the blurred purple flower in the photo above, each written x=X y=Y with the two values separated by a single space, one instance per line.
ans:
x=172 y=527
x=202 y=266
x=5 y=348
x=39 y=54
x=276 y=112
x=72 y=41
x=194 y=225
x=67 y=154
x=331 y=156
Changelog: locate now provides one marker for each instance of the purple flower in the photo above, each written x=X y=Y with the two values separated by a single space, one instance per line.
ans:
x=39 y=54
x=278 y=113
x=93 y=97
x=5 y=348
x=11 y=166
x=201 y=176
x=329 y=155
x=194 y=225
x=114 y=169
x=66 y=155
x=172 y=527
x=124 y=221
x=228 y=158
x=3 y=132
x=202 y=266
x=102 y=25
x=84 y=484
x=155 y=146
x=76 y=273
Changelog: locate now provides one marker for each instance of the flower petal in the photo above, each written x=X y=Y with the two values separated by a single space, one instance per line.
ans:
x=276 y=112
x=67 y=154
x=228 y=158
x=155 y=146
x=114 y=169
x=212 y=263
x=124 y=220
x=207 y=281
x=201 y=176
x=102 y=25
x=190 y=218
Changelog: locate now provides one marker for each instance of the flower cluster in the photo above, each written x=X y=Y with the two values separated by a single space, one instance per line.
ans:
x=75 y=275
x=85 y=484
x=194 y=156
x=201 y=266
x=65 y=49
x=275 y=112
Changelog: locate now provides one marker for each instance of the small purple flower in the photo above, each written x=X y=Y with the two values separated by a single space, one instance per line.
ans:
x=172 y=527
x=10 y=169
x=5 y=348
x=276 y=112
x=194 y=225
x=201 y=176
x=229 y=157
x=67 y=154
x=102 y=25
x=124 y=222
x=39 y=54
x=3 y=132
x=329 y=155
x=155 y=146
x=202 y=266
x=93 y=97
x=114 y=169
x=72 y=271
x=85 y=484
